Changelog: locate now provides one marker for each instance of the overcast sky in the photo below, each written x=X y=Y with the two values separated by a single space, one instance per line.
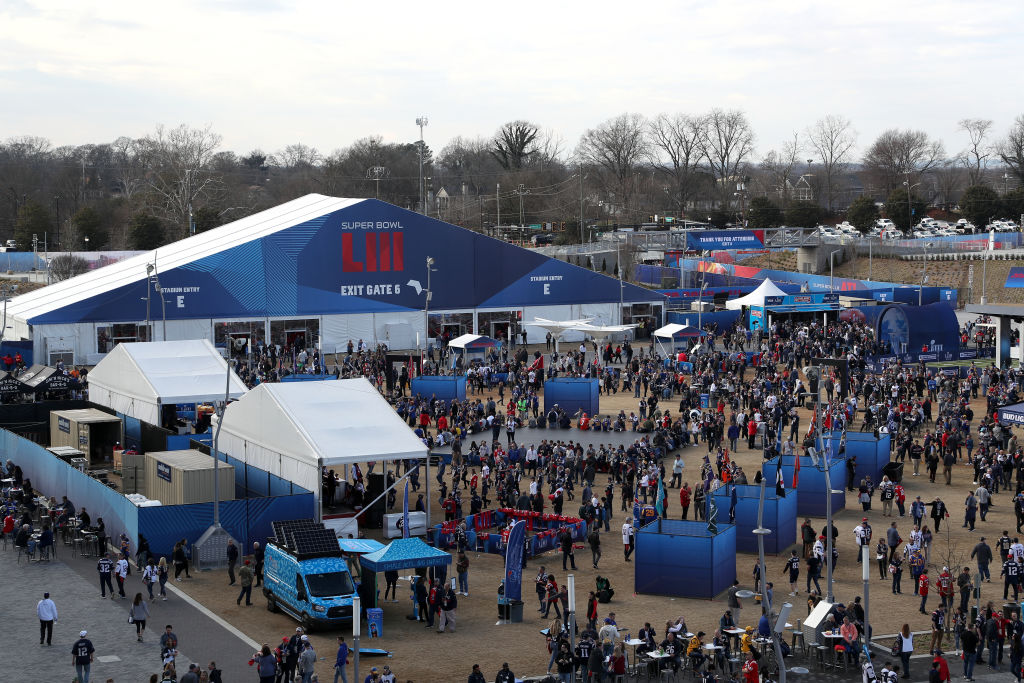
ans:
x=265 y=73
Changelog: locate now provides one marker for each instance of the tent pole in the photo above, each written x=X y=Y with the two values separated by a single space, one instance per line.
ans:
x=428 y=496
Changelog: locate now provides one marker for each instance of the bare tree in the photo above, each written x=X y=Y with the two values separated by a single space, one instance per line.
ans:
x=65 y=266
x=1011 y=148
x=728 y=142
x=779 y=167
x=129 y=167
x=514 y=144
x=676 y=151
x=177 y=163
x=975 y=157
x=297 y=155
x=949 y=182
x=616 y=148
x=896 y=154
x=832 y=138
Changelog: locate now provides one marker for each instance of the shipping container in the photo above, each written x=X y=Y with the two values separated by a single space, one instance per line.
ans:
x=91 y=431
x=184 y=477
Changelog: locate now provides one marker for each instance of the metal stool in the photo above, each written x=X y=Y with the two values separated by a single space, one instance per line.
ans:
x=798 y=641
x=76 y=547
x=819 y=649
x=839 y=652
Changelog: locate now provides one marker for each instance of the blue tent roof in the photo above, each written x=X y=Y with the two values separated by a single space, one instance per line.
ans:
x=359 y=545
x=405 y=553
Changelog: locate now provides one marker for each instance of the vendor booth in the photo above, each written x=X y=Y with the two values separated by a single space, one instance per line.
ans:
x=42 y=379
x=780 y=516
x=293 y=430
x=402 y=553
x=757 y=297
x=146 y=380
x=472 y=343
x=1012 y=414
x=683 y=559
x=872 y=454
x=675 y=336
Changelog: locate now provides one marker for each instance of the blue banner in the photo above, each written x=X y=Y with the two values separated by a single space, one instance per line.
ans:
x=1015 y=279
x=710 y=240
x=514 y=561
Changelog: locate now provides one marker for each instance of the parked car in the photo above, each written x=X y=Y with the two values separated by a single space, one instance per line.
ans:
x=885 y=223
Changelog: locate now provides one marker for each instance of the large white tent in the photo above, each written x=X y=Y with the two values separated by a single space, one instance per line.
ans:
x=755 y=298
x=138 y=378
x=292 y=429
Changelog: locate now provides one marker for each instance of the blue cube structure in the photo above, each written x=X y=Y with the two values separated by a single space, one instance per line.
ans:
x=683 y=559
x=572 y=394
x=445 y=387
x=810 y=487
x=780 y=515
x=872 y=454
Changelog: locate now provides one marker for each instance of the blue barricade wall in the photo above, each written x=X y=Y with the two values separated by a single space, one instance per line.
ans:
x=811 y=485
x=780 y=516
x=51 y=476
x=681 y=558
x=246 y=520
x=724 y=319
x=572 y=394
x=16 y=347
x=444 y=387
x=872 y=454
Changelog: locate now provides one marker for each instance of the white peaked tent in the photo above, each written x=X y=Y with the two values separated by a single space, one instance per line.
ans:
x=755 y=298
x=137 y=378
x=601 y=332
x=292 y=429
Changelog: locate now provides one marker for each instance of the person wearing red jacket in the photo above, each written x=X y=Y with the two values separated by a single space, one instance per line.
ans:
x=942 y=666
x=592 y=611
x=922 y=589
x=750 y=672
x=684 y=498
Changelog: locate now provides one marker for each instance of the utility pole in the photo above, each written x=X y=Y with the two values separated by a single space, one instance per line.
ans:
x=375 y=173
x=421 y=122
x=521 y=190
x=582 y=240
x=497 y=199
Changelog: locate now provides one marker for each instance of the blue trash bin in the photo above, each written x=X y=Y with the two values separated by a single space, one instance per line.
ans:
x=375 y=622
x=705 y=401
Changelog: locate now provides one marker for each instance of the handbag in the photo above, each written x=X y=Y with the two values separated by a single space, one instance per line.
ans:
x=896 y=647
x=131 y=619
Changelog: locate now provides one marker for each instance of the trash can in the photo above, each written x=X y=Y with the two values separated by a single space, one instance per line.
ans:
x=894 y=471
x=374 y=622
x=705 y=401
x=510 y=610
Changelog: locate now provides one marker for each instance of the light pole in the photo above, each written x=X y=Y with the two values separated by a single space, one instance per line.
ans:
x=984 y=260
x=497 y=200
x=356 y=632
x=5 y=292
x=924 y=275
x=149 y=291
x=865 y=560
x=831 y=281
x=421 y=122
x=761 y=532
x=521 y=191
x=571 y=587
x=375 y=173
x=910 y=211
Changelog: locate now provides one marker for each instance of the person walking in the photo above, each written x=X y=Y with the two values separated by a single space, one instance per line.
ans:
x=449 y=603
x=982 y=553
x=162 y=574
x=307 y=660
x=969 y=642
x=341 y=661
x=138 y=613
x=565 y=541
x=150 y=576
x=594 y=539
x=245 y=577
x=121 y=571
x=792 y=566
x=232 y=561
x=391 y=585
x=81 y=656
x=462 y=571
x=266 y=665
x=905 y=645
x=105 y=567
x=628 y=538
x=46 y=610
x=257 y=560
x=892 y=539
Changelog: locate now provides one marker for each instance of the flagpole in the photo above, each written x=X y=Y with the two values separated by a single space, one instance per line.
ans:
x=766 y=604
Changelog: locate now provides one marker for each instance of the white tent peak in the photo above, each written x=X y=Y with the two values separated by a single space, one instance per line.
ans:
x=757 y=297
x=136 y=378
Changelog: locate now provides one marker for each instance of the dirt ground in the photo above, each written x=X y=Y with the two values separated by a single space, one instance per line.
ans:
x=423 y=655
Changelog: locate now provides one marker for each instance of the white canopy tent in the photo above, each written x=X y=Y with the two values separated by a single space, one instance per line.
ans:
x=292 y=429
x=472 y=342
x=558 y=328
x=138 y=378
x=674 y=332
x=601 y=332
x=755 y=298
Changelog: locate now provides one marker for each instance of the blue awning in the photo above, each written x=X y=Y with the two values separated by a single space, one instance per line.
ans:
x=1012 y=414
x=360 y=545
x=405 y=553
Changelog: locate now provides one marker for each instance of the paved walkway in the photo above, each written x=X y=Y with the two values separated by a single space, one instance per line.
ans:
x=74 y=586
